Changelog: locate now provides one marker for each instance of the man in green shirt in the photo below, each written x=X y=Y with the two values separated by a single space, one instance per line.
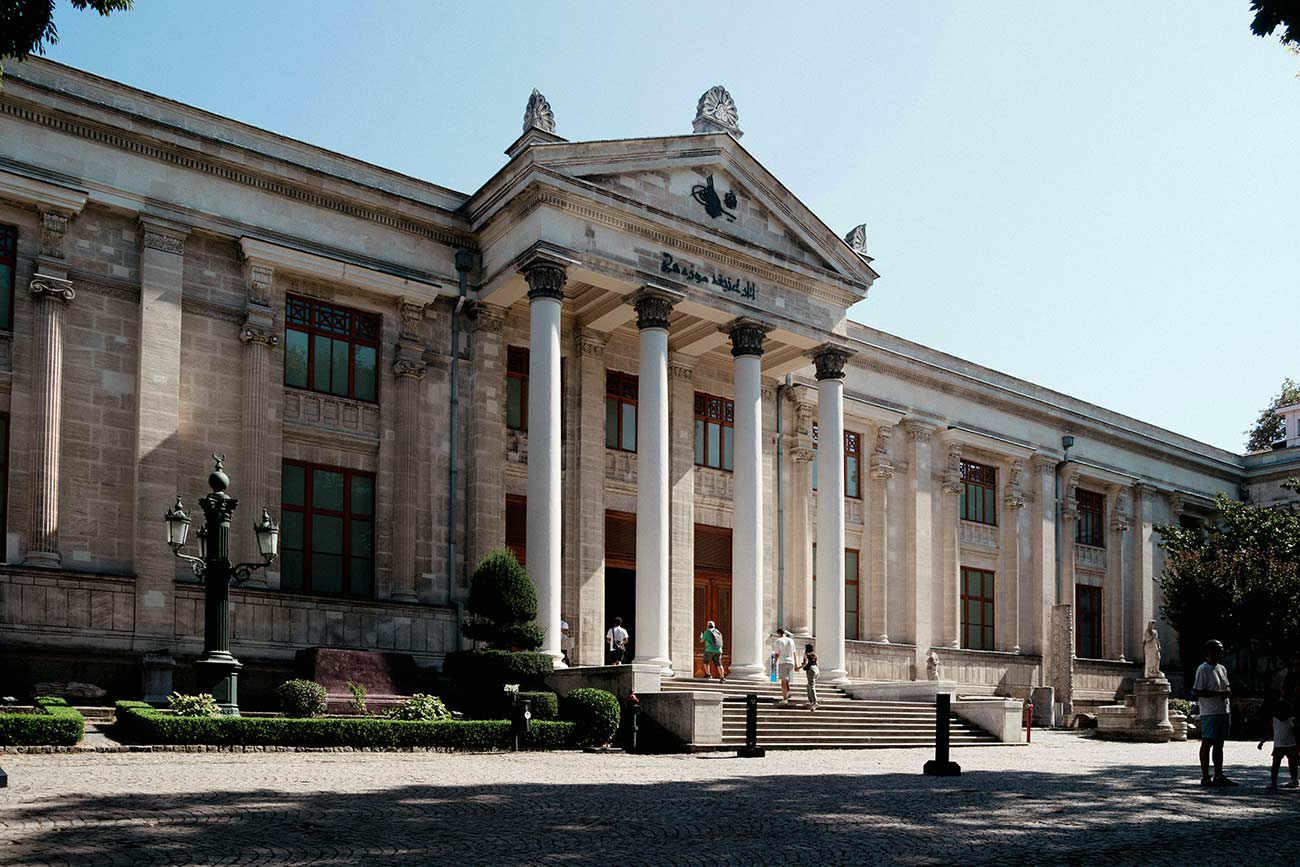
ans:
x=712 y=639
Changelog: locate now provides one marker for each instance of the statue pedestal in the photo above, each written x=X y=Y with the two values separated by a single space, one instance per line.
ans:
x=1145 y=716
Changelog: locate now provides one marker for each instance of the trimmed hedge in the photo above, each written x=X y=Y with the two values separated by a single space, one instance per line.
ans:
x=544 y=705
x=144 y=724
x=490 y=669
x=55 y=725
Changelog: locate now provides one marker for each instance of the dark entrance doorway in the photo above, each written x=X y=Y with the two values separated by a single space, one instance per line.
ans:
x=620 y=576
x=712 y=588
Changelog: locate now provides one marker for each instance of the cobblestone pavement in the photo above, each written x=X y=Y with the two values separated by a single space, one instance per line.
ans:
x=1062 y=800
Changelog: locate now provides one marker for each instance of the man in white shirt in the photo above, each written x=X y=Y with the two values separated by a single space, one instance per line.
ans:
x=616 y=640
x=1212 y=691
x=784 y=651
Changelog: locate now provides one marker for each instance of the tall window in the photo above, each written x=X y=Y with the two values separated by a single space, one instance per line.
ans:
x=851 y=587
x=979 y=486
x=516 y=388
x=620 y=411
x=1087 y=621
x=852 y=463
x=1092 y=508
x=517 y=526
x=331 y=349
x=4 y=478
x=976 y=609
x=327 y=541
x=715 y=419
x=8 y=265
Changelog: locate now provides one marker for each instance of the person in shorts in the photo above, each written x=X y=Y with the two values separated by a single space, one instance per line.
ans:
x=616 y=642
x=783 y=650
x=1212 y=692
x=1284 y=744
x=712 y=638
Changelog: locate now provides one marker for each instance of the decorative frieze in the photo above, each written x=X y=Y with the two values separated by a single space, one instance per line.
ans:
x=715 y=485
x=260 y=280
x=979 y=535
x=489 y=318
x=54 y=228
x=1042 y=465
x=322 y=411
x=591 y=344
x=681 y=367
x=411 y=315
x=152 y=239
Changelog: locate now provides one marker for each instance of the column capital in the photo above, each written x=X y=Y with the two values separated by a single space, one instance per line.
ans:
x=952 y=470
x=253 y=334
x=1015 y=499
x=1175 y=505
x=801 y=454
x=1144 y=490
x=163 y=235
x=746 y=337
x=45 y=287
x=260 y=277
x=882 y=471
x=681 y=366
x=410 y=316
x=830 y=359
x=654 y=304
x=918 y=431
x=591 y=344
x=54 y=227
x=406 y=368
x=1044 y=465
x=884 y=433
x=489 y=317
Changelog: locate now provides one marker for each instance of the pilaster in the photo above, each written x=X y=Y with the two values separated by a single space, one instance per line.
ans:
x=260 y=442
x=875 y=608
x=485 y=452
x=951 y=575
x=408 y=371
x=589 y=631
x=920 y=544
x=1143 y=562
x=681 y=400
x=50 y=295
x=1069 y=526
x=1007 y=585
x=1116 y=569
x=798 y=551
x=1042 y=559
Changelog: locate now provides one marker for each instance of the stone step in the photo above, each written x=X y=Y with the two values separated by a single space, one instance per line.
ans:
x=857 y=745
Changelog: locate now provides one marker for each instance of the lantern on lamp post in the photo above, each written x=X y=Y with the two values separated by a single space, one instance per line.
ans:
x=217 y=669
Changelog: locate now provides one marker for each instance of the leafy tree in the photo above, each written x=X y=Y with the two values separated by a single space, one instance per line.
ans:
x=1268 y=427
x=503 y=605
x=1272 y=14
x=1238 y=581
x=27 y=26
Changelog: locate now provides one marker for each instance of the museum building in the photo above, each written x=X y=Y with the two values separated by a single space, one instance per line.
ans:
x=630 y=361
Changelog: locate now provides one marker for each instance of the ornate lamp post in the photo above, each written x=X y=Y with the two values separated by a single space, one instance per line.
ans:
x=217 y=669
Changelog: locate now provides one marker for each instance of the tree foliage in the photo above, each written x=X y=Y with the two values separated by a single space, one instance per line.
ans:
x=27 y=26
x=502 y=605
x=1268 y=427
x=1272 y=14
x=1238 y=581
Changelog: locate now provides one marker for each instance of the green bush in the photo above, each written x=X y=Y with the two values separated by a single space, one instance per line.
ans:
x=301 y=699
x=491 y=669
x=358 y=697
x=595 y=715
x=420 y=707
x=1181 y=705
x=193 y=705
x=54 y=724
x=502 y=604
x=143 y=724
x=544 y=705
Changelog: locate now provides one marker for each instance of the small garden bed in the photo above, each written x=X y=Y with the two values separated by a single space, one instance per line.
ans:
x=51 y=723
x=141 y=723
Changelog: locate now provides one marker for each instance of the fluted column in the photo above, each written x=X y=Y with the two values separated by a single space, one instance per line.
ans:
x=798 y=572
x=408 y=371
x=829 y=628
x=545 y=294
x=50 y=294
x=259 y=402
x=653 y=307
x=1007 y=584
x=876 y=605
x=951 y=533
x=1116 y=567
x=681 y=619
x=919 y=547
x=748 y=657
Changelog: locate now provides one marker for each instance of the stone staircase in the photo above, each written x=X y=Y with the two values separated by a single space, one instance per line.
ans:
x=839 y=722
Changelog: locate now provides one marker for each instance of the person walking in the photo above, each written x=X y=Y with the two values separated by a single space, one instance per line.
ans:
x=616 y=640
x=1284 y=744
x=1212 y=692
x=811 y=671
x=784 y=651
x=712 y=638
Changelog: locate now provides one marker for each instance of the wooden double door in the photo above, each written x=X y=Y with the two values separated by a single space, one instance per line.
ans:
x=712 y=589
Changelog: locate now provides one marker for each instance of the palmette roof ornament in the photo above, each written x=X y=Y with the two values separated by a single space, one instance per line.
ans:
x=716 y=112
x=538 y=114
x=857 y=239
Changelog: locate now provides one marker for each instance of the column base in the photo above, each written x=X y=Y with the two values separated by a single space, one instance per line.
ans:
x=748 y=672
x=47 y=559
x=557 y=658
x=883 y=639
x=835 y=675
x=663 y=663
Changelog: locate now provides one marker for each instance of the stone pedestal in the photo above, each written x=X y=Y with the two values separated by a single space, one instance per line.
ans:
x=1151 y=699
x=156 y=677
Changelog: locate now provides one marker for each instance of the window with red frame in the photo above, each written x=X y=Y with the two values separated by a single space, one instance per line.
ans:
x=1087 y=621
x=1090 y=529
x=4 y=477
x=327 y=533
x=715 y=431
x=8 y=265
x=976 y=609
x=330 y=349
x=517 y=388
x=852 y=463
x=979 y=486
x=620 y=410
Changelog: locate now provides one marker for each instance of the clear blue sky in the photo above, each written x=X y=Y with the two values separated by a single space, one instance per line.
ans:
x=1097 y=197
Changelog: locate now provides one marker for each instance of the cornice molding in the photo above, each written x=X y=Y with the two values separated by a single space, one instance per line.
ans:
x=316 y=266
x=42 y=195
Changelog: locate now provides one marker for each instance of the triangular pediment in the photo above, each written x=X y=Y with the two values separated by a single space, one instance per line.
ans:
x=714 y=184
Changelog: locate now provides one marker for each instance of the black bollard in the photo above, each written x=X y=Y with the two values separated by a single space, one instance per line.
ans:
x=940 y=766
x=751 y=749
x=523 y=721
x=634 y=710
x=4 y=779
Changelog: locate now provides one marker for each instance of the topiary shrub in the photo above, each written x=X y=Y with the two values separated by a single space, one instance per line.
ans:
x=594 y=714
x=420 y=707
x=496 y=667
x=502 y=605
x=301 y=699
x=201 y=705
x=544 y=705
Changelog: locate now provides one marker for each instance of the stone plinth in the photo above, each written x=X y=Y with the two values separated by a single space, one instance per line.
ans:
x=1144 y=716
x=156 y=677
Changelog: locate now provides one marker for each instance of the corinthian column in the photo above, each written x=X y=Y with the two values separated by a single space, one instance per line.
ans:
x=747 y=656
x=877 y=603
x=260 y=401
x=952 y=548
x=829 y=628
x=50 y=294
x=545 y=293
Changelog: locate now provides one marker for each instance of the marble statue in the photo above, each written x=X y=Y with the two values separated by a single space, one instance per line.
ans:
x=1151 y=652
x=933 y=667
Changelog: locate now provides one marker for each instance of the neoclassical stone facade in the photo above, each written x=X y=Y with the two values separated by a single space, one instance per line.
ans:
x=629 y=360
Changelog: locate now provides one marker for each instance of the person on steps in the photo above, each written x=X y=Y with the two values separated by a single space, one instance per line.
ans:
x=811 y=671
x=712 y=638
